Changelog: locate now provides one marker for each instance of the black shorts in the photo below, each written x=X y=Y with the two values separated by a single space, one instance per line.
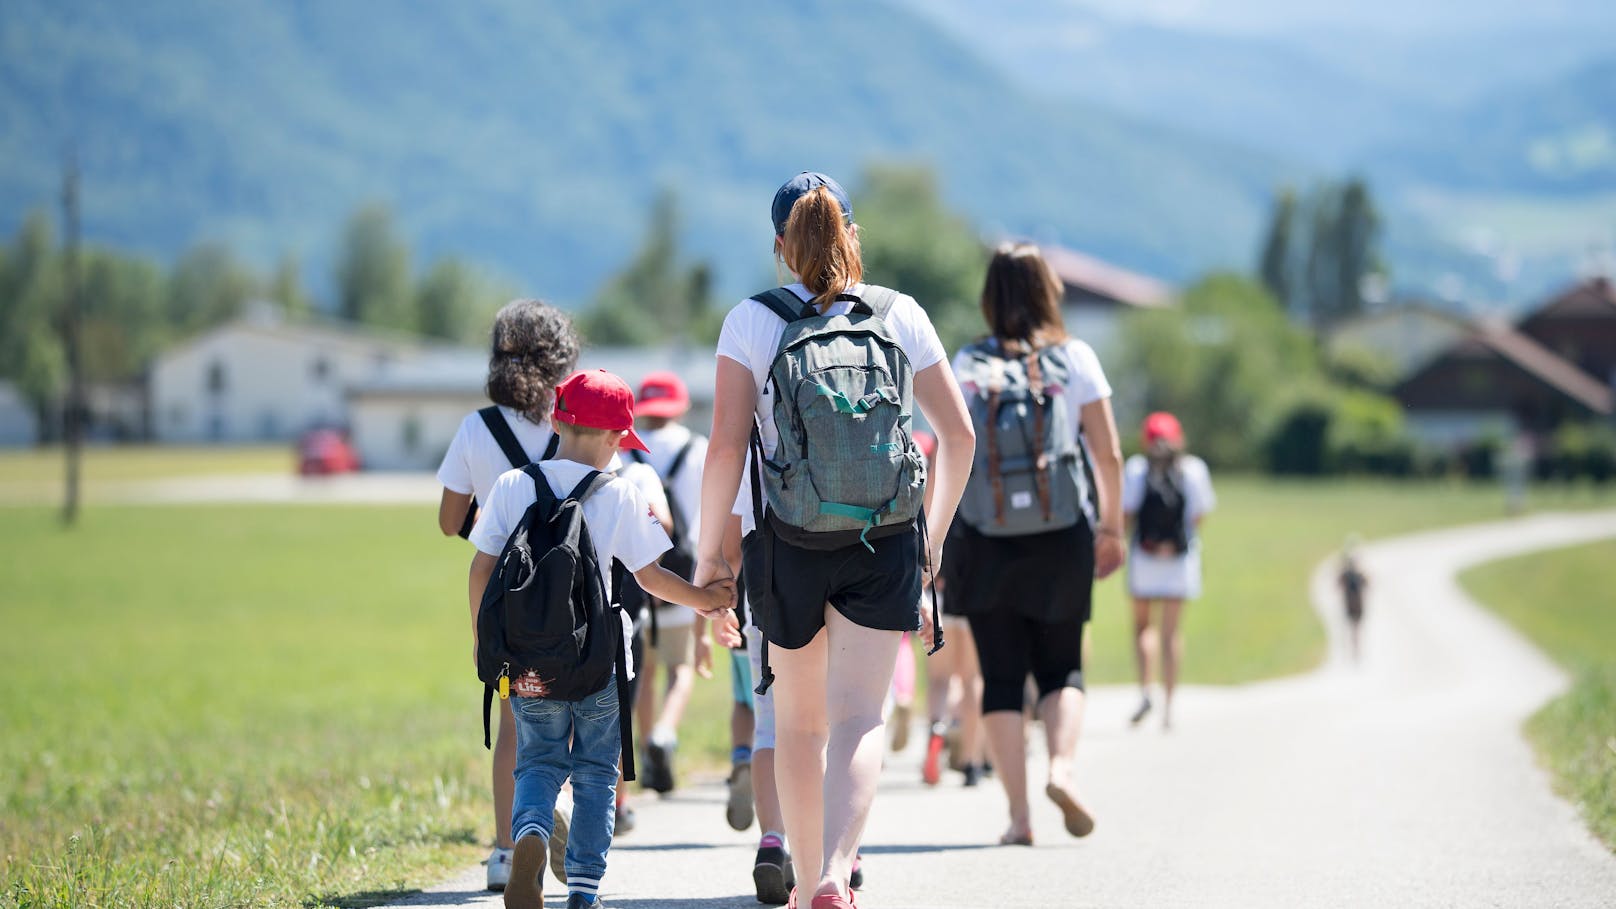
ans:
x=1011 y=647
x=1046 y=577
x=788 y=586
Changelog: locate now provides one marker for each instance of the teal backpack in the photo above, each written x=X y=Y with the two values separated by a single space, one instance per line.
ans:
x=846 y=469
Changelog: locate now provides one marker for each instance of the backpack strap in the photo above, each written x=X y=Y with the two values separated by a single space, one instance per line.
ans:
x=541 y=483
x=678 y=459
x=879 y=300
x=553 y=446
x=625 y=712
x=590 y=485
x=637 y=456
x=786 y=305
x=501 y=430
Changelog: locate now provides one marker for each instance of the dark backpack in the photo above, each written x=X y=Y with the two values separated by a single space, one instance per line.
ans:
x=681 y=559
x=1030 y=473
x=545 y=611
x=1161 y=517
x=494 y=419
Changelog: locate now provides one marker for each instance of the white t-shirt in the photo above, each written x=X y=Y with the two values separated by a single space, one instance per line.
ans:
x=751 y=337
x=1193 y=478
x=1088 y=383
x=620 y=521
x=474 y=459
x=664 y=445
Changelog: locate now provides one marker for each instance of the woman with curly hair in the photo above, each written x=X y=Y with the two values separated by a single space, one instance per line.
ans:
x=534 y=348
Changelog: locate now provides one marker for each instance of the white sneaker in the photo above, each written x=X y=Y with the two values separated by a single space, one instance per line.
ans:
x=499 y=868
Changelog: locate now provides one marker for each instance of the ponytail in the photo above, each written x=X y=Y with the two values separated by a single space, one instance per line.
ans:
x=821 y=247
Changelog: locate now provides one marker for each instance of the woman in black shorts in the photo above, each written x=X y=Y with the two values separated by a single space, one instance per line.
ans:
x=831 y=619
x=1027 y=597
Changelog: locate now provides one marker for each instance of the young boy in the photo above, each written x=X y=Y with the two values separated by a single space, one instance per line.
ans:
x=594 y=414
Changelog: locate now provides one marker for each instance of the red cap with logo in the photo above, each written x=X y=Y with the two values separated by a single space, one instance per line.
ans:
x=663 y=394
x=597 y=400
x=1162 y=426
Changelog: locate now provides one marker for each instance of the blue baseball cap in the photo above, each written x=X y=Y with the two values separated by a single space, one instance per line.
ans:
x=799 y=186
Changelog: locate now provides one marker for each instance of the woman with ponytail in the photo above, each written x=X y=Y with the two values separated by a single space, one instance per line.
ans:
x=832 y=604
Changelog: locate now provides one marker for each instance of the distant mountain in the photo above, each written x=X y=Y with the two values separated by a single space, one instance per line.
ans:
x=532 y=135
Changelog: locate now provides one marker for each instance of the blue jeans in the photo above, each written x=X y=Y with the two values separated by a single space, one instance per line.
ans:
x=555 y=739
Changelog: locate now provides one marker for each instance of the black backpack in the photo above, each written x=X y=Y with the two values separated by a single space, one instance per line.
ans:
x=1161 y=517
x=494 y=419
x=545 y=610
x=681 y=559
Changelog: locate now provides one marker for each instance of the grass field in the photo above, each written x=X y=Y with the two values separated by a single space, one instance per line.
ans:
x=33 y=476
x=266 y=705
x=1562 y=601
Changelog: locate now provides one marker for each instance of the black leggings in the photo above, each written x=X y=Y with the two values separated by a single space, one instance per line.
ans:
x=1010 y=647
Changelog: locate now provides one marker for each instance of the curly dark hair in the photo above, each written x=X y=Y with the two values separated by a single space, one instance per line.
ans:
x=534 y=348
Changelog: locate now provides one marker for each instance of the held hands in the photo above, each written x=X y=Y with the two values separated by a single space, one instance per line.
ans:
x=718 y=597
x=728 y=629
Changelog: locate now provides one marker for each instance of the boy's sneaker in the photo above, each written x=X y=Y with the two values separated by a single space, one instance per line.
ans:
x=855 y=880
x=624 y=821
x=773 y=875
x=902 y=716
x=562 y=819
x=499 y=868
x=526 y=887
x=739 y=811
x=931 y=770
x=581 y=901
x=973 y=774
x=1143 y=711
x=659 y=768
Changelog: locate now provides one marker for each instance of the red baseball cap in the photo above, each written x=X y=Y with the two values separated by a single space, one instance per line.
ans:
x=597 y=400
x=1162 y=426
x=662 y=394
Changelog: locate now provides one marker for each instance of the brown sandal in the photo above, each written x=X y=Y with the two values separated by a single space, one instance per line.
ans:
x=1078 y=821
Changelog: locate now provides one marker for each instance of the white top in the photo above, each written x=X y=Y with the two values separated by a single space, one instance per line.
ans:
x=1088 y=383
x=474 y=459
x=664 y=445
x=751 y=337
x=1193 y=477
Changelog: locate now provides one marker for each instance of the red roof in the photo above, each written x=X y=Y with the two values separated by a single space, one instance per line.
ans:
x=1103 y=279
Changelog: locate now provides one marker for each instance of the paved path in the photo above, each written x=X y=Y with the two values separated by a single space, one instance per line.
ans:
x=1402 y=781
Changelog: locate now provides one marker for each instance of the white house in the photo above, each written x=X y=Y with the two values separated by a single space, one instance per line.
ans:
x=403 y=417
x=1099 y=295
x=261 y=379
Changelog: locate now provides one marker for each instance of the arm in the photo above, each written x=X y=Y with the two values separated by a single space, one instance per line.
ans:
x=1100 y=428
x=669 y=587
x=482 y=568
x=944 y=408
x=704 y=649
x=734 y=400
x=452 y=509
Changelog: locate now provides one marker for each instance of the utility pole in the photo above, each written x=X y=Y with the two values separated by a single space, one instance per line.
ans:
x=73 y=416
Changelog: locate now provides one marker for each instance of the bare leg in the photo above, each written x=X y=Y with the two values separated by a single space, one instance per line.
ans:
x=1144 y=641
x=681 y=681
x=940 y=669
x=1062 y=713
x=765 y=794
x=1172 y=646
x=740 y=725
x=645 y=704
x=504 y=775
x=857 y=687
x=1007 y=743
x=801 y=731
x=970 y=701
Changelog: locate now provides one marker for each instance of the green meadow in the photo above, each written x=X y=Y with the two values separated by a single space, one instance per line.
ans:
x=269 y=706
x=1562 y=601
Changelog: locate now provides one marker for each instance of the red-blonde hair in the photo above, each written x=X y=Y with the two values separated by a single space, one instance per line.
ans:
x=821 y=247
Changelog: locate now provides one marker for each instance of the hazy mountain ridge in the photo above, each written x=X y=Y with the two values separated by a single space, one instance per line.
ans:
x=530 y=136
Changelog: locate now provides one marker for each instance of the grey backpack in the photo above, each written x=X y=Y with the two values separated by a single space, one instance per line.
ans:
x=1028 y=476
x=846 y=469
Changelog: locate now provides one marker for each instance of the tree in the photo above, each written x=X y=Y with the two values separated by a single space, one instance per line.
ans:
x=1320 y=250
x=913 y=242
x=657 y=296
x=208 y=287
x=31 y=289
x=455 y=302
x=1277 y=267
x=286 y=288
x=373 y=271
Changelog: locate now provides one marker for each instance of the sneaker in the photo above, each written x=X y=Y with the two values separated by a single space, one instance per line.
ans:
x=526 y=887
x=973 y=774
x=772 y=875
x=931 y=771
x=625 y=820
x=499 y=868
x=739 y=811
x=1140 y=714
x=562 y=819
x=659 y=768
x=902 y=715
x=580 y=901
x=855 y=880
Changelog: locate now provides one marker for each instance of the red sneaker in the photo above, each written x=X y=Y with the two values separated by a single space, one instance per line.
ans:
x=931 y=772
x=833 y=900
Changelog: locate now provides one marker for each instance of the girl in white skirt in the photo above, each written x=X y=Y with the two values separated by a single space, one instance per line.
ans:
x=1165 y=494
